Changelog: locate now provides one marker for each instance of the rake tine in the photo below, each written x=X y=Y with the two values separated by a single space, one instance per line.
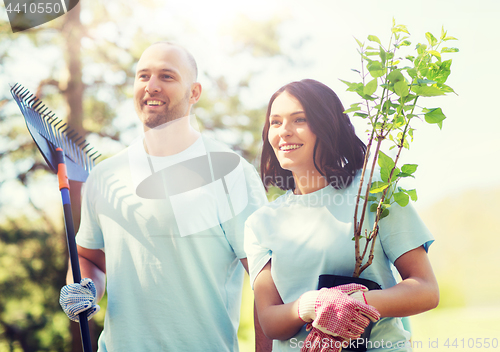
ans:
x=26 y=92
x=30 y=101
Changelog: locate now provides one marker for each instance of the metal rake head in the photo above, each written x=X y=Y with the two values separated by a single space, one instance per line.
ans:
x=50 y=133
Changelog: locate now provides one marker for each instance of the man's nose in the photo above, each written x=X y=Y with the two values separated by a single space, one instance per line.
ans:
x=153 y=86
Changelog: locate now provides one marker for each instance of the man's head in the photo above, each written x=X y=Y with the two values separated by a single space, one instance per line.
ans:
x=165 y=84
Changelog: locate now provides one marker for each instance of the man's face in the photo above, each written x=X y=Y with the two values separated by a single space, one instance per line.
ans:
x=162 y=86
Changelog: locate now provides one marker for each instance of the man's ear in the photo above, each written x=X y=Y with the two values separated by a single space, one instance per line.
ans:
x=195 y=93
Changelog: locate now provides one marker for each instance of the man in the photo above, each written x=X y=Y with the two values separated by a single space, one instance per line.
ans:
x=162 y=224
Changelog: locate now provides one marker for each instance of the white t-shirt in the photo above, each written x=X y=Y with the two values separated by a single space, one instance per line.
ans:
x=172 y=231
x=312 y=234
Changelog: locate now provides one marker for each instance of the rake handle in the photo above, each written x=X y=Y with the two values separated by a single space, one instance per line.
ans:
x=62 y=176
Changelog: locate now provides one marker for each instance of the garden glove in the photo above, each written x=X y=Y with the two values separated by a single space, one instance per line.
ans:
x=76 y=298
x=318 y=341
x=333 y=312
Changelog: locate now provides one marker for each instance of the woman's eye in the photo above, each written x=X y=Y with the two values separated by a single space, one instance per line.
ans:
x=275 y=122
x=301 y=119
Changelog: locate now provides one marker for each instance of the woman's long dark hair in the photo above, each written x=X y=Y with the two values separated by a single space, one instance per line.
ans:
x=338 y=152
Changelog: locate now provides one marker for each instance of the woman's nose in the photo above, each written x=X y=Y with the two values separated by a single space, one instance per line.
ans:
x=285 y=130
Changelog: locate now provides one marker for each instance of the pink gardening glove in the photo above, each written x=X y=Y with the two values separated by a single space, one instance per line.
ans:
x=333 y=312
x=318 y=341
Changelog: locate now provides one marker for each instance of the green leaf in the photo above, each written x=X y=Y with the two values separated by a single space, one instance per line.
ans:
x=421 y=48
x=449 y=50
x=370 y=87
x=403 y=174
x=395 y=76
x=373 y=207
x=384 y=213
x=413 y=194
x=412 y=72
x=431 y=39
x=435 y=53
x=400 y=28
x=425 y=81
x=374 y=38
x=359 y=43
x=384 y=161
x=434 y=115
x=378 y=186
x=445 y=88
x=354 y=87
x=449 y=38
x=409 y=168
x=376 y=69
x=383 y=55
x=439 y=71
x=385 y=173
x=401 y=88
x=354 y=107
x=401 y=198
x=427 y=91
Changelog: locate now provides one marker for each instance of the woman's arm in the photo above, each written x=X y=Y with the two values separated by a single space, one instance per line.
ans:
x=416 y=293
x=278 y=321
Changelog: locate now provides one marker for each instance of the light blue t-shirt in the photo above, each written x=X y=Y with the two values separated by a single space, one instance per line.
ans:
x=310 y=235
x=172 y=231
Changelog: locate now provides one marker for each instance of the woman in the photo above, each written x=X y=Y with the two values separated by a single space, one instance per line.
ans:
x=311 y=151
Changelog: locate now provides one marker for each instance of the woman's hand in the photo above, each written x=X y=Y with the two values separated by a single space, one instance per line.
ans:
x=333 y=311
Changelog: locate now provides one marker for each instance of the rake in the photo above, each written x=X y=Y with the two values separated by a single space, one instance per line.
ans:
x=69 y=157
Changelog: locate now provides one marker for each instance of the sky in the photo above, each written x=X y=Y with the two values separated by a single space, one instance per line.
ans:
x=459 y=157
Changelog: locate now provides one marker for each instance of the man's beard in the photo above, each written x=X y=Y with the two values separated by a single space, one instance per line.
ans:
x=172 y=113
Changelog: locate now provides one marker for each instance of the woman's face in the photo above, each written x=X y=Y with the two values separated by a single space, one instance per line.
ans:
x=290 y=136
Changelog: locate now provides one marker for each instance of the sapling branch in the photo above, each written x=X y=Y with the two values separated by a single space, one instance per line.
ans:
x=391 y=115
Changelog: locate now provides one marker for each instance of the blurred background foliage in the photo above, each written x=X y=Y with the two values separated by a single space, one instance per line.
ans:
x=84 y=63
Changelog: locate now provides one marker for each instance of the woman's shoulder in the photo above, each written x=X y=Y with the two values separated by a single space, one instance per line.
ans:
x=269 y=210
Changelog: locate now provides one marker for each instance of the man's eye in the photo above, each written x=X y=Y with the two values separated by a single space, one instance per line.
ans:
x=167 y=77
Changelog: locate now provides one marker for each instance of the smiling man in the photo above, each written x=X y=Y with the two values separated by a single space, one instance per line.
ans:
x=162 y=225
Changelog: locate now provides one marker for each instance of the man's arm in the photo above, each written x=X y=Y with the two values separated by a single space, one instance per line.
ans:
x=262 y=343
x=93 y=266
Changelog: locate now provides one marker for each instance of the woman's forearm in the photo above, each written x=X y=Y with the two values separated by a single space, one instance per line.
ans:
x=280 y=321
x=409 y=297
x=417 y=293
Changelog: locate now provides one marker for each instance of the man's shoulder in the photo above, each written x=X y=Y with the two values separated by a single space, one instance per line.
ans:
x=114 y=162
x=214 y=145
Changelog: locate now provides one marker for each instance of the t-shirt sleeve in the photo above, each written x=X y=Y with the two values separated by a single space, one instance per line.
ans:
x=246 y=194
x=90 y=234
x=402 y=231
x=257 y=254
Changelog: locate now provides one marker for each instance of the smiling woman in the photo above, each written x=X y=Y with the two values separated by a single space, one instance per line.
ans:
x=308 y=142
x=291 y=138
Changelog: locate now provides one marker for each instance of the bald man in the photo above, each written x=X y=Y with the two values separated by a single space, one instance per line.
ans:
x=162 y=224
